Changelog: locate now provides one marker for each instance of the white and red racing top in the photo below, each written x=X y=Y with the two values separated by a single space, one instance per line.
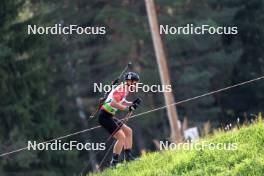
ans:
x=119 y=95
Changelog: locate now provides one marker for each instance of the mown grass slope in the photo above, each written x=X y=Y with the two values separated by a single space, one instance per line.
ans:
x=247 y=160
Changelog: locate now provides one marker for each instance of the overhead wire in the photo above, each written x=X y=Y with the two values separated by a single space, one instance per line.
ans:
x=143 y=113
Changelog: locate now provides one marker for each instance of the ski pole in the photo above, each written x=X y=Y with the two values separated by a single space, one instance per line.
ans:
x=136 y=102
x=125 y=120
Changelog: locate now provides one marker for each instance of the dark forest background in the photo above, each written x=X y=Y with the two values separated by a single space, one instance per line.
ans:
x=46 y=81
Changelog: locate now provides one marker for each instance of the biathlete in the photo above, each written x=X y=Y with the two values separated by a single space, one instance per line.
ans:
x=115 y=101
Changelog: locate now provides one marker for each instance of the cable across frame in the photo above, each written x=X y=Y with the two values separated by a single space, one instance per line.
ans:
x=143 y=113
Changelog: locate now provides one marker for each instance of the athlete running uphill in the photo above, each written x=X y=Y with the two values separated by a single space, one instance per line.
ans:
x=114 y=102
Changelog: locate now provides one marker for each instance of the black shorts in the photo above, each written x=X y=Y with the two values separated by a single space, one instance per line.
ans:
x=110 y=123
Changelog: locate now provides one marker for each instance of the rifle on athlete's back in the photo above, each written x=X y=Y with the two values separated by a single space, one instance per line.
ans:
x=115 y=82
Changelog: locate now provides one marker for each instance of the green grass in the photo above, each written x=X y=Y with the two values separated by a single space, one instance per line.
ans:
x=247 y=160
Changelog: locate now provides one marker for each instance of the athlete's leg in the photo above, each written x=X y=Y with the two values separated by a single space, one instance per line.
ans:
x=128 y=142
x=120 y=137
x=128 y=136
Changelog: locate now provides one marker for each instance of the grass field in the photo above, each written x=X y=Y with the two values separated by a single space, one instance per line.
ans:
x=246 y=160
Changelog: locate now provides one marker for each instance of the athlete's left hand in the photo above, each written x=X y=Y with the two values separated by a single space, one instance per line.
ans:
x=137 y=101
x=132 y=107
x=135 y=104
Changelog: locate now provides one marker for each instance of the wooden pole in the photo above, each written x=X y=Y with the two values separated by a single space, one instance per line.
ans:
x=163 y=70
